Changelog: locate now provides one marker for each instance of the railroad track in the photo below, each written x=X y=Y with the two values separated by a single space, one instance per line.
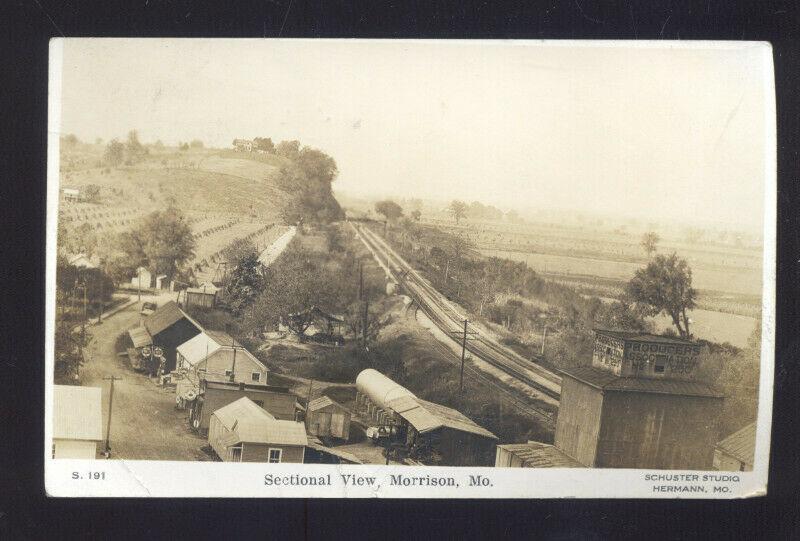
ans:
x=447 y=318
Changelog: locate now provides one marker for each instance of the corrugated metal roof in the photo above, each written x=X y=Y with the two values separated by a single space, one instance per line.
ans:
x=426 y=416
x=323 y=402
x=140 y=337
x=77 y=413
x=255 y=425
x=540 y=455
x=607 y=381
x=646 y=337
x=741 y=444
x=333 y=451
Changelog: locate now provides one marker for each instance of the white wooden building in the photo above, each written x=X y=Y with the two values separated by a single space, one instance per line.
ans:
x=77 y=421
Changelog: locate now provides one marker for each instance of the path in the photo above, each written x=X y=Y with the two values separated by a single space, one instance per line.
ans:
x=145 y=424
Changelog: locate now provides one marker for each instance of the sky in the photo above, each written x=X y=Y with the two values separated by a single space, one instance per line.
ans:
x=657 y=132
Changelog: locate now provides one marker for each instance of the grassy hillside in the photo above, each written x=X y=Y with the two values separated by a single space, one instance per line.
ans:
x=202 y=181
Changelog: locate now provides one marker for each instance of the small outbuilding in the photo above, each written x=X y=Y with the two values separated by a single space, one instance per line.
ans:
x=737 y=451
x=77 y=421
x=244 y=432
x=327 y=419
x=533 y=455
x=204 y=295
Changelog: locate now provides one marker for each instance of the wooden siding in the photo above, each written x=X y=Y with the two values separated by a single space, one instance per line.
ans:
x=221 y=360
x=325 y=424
x=647 y=430
x=279 y=405
x=578 y=423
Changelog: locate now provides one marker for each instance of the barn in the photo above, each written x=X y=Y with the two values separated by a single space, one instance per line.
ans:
x=244 y=432
x=431 y=432
x=169 y=327
x=326 y=418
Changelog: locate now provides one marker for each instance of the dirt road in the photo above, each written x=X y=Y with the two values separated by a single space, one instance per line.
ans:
x=145 y=424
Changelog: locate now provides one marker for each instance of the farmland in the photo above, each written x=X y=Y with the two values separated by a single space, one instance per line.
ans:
x=599 y=262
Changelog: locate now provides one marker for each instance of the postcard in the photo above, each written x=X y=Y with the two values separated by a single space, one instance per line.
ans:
x=409 y=269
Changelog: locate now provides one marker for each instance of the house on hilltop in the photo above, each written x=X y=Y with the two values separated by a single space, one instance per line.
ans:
x=243 y=145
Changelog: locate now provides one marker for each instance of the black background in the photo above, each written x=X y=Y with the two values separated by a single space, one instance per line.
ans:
x=25 y=511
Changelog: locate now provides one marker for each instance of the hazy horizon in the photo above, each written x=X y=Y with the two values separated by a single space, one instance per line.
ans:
x=655 y=133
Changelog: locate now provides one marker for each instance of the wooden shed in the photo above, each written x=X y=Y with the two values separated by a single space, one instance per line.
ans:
x=243 y=432
x=327 y=418
x=204 y=296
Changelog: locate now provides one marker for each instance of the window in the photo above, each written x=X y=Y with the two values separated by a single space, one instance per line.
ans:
x=228 y=373
x=275 y=456
x=661 y=363
x=256 y=376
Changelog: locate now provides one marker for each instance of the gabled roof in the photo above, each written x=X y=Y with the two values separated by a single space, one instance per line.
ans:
x=323 y=402
x=741 y=444
x=77 y=413
x=198 y=348
x=540 y=455
x=165 y=317
x=426 y=416
x=607 y=381
x=315 y=444
x=253 y=424
x=645 y=337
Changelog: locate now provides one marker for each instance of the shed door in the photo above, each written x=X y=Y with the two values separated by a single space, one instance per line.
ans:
x=337 y=425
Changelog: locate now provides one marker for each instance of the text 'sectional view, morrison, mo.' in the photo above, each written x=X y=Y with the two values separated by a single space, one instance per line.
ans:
x=478 y=269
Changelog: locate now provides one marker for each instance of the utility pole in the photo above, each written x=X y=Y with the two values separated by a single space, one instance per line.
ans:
x=83 y=325
x=112 y=379
x=139 y=287
x=361 y=280
x=366 y=320
x=100 y=314
x=463 y=356
x=308 y=398
x=233 y=368
x=544 y=336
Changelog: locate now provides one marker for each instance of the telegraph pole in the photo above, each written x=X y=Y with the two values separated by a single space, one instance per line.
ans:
x=544 y=336
x=83 y=325
x=366 y=319
x=100 y=314
x=112 y=379
x=361 y=280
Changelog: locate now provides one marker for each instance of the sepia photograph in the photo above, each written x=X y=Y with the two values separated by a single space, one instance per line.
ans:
x=483 y=268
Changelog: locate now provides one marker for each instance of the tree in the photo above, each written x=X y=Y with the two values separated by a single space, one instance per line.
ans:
x=239 y=250
x=115 y=153
x=69 y=345
x=162 y=241
x=309 y=179
x=389 y=209
x=416 y=215
x=91 y=192
x=458 y=209
x=245 y=284
x=650 y=242
x=265 y=144
x=70 y=140
x=196 y=143
x=665 y=286
x=134 y=148
x=288 y=149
